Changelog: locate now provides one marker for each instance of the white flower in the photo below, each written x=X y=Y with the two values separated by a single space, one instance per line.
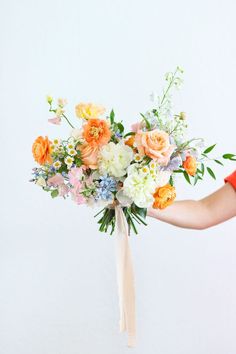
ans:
x=153 y=96
x=139 y=187
x=77 y=133
x=72 y=152
x=41 y=182
x=162 y=178
x=69 y=160
x=62 y=102
x=123 y=199
x=114 y=159
x=56 y=142
x=57 y=165
x=145 y=170
x=152 y=165
x=138 y=157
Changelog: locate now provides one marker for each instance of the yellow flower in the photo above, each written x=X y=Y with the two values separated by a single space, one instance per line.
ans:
x=89 y=110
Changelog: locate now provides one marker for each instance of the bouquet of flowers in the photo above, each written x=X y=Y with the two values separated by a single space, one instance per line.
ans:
x=100 y=164
x=124 y=173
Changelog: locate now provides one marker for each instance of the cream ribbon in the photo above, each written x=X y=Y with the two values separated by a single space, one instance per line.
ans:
x=125 y=277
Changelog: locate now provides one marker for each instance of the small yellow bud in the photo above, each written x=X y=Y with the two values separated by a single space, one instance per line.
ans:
x=49 y=99
x=182 y=115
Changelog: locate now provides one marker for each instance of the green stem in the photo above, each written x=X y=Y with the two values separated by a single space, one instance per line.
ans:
x=64 y=116
x=168 y=88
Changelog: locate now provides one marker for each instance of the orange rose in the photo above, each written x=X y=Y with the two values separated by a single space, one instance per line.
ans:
x=154 y=144
x=164 y=196
x=190 y=165
x=96 y=132
x=89 y=155
x=41 y=150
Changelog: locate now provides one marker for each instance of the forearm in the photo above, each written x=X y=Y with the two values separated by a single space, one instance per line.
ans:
x=214 y=209
x=186 y=213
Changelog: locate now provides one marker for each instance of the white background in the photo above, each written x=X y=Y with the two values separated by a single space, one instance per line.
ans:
x=57 y=272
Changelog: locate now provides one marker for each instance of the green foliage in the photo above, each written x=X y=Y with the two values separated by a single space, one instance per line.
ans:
x=209 y=149
x=54 y=193
x=231 y=157
x=211 y=173
x=112 y=116
x=186 y=176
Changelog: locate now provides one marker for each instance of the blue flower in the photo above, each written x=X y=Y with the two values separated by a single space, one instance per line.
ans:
x=107 y=185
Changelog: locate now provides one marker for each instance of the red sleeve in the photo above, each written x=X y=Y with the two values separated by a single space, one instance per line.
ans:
x=232 y=179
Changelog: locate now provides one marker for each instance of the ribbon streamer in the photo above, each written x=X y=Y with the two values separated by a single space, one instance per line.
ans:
x=125 y=277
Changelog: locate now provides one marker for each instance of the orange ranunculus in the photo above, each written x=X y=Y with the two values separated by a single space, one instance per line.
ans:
x=96 y=132
x=130 y=141
x=89 y=155
x=164 y=196
x=41 y=150
x=155 y=144
x=190 y=165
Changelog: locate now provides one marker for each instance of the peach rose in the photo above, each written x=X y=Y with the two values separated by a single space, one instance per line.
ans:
x=41 y=150
x=164 y=196
x=155 y=144
x=96 y=132
x=190 y=165
x=89 y=155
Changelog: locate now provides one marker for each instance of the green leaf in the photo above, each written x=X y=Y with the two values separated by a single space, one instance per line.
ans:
x=219 y=162
x=146 y=121
x=178 y=171
x=203 y=168
x=54 y=193
x=112 y=116
x=171 y=181
x=211 y=173
x=195 y=179
x=128 y=134
x=140 y=211
x=186 y=176
x=229 y=156
x=120 y=127
x=209 y=149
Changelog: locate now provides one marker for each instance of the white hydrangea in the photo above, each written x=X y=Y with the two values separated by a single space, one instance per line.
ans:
x=139 y=187
x=161 y=178
x=114 y=159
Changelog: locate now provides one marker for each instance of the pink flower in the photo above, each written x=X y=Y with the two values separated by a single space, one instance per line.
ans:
x=56 y=180
x=56 y=120
x=75 y=175
x=135 y=127
x=76 y=193
x=63 y=190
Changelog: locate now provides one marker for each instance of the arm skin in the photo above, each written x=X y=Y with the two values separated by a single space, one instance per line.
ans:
x=201 y=214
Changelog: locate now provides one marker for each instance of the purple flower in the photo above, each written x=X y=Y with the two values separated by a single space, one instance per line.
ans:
x=173 y=164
